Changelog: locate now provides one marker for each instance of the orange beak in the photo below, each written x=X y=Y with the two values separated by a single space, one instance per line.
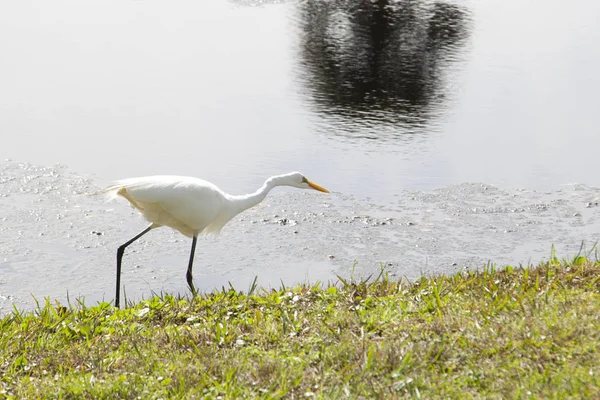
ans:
x=317 y=187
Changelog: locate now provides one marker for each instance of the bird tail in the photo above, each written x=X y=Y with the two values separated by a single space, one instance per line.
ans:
x=110 y=193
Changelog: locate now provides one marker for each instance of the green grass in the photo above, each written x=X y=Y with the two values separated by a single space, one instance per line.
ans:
x=510 y=333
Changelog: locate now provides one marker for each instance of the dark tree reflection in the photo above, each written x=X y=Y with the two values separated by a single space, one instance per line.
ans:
x=378 y=60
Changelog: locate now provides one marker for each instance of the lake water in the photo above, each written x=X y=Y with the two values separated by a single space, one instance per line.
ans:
x=430 y=121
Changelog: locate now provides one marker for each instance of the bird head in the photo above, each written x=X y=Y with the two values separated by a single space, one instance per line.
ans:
x=298 y=180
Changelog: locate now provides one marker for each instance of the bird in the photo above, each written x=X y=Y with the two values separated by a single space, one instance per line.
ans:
x=191 y=206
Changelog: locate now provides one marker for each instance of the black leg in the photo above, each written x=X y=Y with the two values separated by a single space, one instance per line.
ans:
x=188 y=275
x=120 y=252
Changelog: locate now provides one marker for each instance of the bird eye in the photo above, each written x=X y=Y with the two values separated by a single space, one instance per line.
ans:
x=304 y=180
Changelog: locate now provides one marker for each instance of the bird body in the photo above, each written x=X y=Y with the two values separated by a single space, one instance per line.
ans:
x=191 y=206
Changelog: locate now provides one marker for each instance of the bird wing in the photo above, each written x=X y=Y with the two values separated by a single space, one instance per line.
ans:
x=187 y=204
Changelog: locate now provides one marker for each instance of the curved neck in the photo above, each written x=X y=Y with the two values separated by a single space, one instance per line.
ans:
x=244 y=202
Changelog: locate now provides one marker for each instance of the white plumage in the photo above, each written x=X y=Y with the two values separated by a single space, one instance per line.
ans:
x=191 y=206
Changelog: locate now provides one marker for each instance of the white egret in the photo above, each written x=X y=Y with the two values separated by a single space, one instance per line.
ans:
x=191 y=206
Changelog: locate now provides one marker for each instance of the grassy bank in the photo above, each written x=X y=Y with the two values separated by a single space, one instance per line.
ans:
x=513 y=333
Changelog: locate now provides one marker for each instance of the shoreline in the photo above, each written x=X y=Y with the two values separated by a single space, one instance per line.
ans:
x=511 y=332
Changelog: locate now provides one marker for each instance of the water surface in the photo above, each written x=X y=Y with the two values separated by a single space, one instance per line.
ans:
x=368 y=100
x=450 y=133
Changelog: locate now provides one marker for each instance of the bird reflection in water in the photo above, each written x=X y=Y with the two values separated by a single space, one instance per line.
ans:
x=370 y=63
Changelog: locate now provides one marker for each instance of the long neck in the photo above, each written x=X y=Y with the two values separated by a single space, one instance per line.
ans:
x=244 y=202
